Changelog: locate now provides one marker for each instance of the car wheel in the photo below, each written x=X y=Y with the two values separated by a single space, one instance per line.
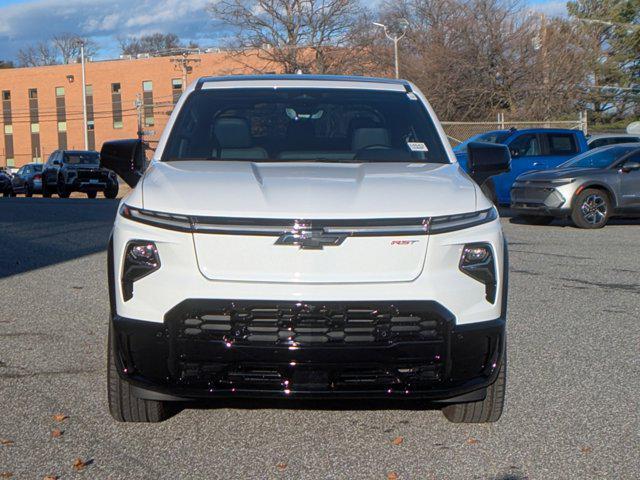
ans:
x=92 y=194
x=62 y=189
x=536 y=219
x=111 y=191
x=591 y=209
x=484 y=411
x=123 y=405
x=27 y=191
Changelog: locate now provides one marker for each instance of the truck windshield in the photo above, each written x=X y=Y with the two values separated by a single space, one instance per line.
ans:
x=304 y=124
x=82 y=158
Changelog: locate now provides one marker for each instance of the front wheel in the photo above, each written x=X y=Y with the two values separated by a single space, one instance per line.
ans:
x=62 y=189
x=484 y=411
x=92 y=194
x=111 y=191
x=591 y=209
x=123 y=405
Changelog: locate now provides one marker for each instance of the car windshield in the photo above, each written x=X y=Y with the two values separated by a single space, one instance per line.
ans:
x=601 y=158
x=82 y=158
x=497 y=136
x=304 y=124
x=37 y=167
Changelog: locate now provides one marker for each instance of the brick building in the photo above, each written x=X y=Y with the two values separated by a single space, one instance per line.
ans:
x=42 y=106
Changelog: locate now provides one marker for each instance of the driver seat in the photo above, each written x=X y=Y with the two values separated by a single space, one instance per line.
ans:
x=233 y=136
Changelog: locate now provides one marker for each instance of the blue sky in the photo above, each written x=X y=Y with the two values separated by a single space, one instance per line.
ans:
x=28 y=21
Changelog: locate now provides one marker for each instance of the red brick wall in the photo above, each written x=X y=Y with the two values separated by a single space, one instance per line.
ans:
x=129 y=73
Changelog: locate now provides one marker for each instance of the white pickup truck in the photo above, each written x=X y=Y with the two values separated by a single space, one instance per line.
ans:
x=306 y=236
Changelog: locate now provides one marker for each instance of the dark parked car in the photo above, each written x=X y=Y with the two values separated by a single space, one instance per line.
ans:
x=28 y=180
x=5 y=184
x=69 y=171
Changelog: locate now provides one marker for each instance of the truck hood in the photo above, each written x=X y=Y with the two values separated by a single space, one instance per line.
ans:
x=307 y=190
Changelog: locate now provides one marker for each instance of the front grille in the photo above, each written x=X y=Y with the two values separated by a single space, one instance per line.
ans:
x=311 y=325
x=530 y=195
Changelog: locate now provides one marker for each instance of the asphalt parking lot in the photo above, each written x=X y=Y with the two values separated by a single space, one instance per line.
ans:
x=573 y=408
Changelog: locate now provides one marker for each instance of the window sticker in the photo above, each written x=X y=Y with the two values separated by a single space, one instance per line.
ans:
x=417 y=147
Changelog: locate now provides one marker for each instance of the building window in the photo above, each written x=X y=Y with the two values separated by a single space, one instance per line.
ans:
x=33 y=93
x=90 y=125
x=59 y=91
x=6 y=95
x=115 y=88
x=35 y=128
x=176 y=89
x=116 y=105
x=117 y=124
x=8 y=129
x=89 y=90
x=147 y=86
x=62 y=126
x=11 y=162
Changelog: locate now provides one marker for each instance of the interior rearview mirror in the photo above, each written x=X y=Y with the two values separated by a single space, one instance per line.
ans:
x=126 y=158
x=630 y=166
x=487 y=160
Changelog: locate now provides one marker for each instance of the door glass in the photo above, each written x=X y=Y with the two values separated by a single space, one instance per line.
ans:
x=562 y=144
x=526 y=145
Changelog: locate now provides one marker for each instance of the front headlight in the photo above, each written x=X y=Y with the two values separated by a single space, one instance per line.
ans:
x=477 y=261
x=449 y=223
x=561 y=181
x=140 y=259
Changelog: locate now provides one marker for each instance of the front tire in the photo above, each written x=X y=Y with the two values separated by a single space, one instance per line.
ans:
x=123 y=405
x=62 y=189
x=591 y=209
x=484 y=411
x=92 y=194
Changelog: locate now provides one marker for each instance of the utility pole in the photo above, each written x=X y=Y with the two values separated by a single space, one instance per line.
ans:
x=183 y=63
x=84 y=95
x=138 y=105
x=395 y=37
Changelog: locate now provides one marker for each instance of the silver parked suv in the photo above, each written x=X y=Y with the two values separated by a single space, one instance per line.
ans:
x=589 y=188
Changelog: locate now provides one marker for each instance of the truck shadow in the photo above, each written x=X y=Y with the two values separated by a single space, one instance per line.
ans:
x=39 y=232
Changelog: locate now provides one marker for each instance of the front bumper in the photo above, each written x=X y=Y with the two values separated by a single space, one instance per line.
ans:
x=330 y=352
x=539 y=200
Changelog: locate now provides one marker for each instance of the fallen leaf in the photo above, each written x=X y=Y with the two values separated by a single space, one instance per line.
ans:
x=392 y=476
x=60 y=417
x=281 y=466
x=78 y=464
x=398 y=441
x=56 y=432
x=6 y=474
x=6 y=442
x=585 y=449
x=472 y=441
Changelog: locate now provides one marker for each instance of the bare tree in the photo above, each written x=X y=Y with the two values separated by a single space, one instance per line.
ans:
x=291 y=35
x=153 y=43
x=37 y=55
x=67 y=46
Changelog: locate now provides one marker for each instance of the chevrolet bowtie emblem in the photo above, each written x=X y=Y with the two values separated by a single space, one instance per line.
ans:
x=310 y=239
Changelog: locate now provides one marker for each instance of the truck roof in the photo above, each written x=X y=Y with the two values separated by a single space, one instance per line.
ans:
x=301 y=80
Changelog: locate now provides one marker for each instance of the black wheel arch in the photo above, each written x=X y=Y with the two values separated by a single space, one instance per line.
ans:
x=597 y=186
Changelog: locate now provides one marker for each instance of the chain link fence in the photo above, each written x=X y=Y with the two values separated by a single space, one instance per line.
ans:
x=458 y=132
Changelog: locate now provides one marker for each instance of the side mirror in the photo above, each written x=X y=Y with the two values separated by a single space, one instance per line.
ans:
x=125 y=157
x=487 y=160
x=630 y=166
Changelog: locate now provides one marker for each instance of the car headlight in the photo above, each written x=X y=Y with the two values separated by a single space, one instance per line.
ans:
x=561 y=181
x=140 y=259
x=449 y=223
x=478 y=262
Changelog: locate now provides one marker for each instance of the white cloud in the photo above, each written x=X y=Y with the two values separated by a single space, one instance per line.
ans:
x=37 y=20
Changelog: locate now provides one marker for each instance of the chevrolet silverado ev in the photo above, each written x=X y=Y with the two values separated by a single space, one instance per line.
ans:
x=306 y=237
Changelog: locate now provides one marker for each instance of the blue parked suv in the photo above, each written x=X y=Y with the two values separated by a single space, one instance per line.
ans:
x=531 y=149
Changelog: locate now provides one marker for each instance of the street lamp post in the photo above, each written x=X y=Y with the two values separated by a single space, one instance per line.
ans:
x=399 y=32
x=84 y=95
